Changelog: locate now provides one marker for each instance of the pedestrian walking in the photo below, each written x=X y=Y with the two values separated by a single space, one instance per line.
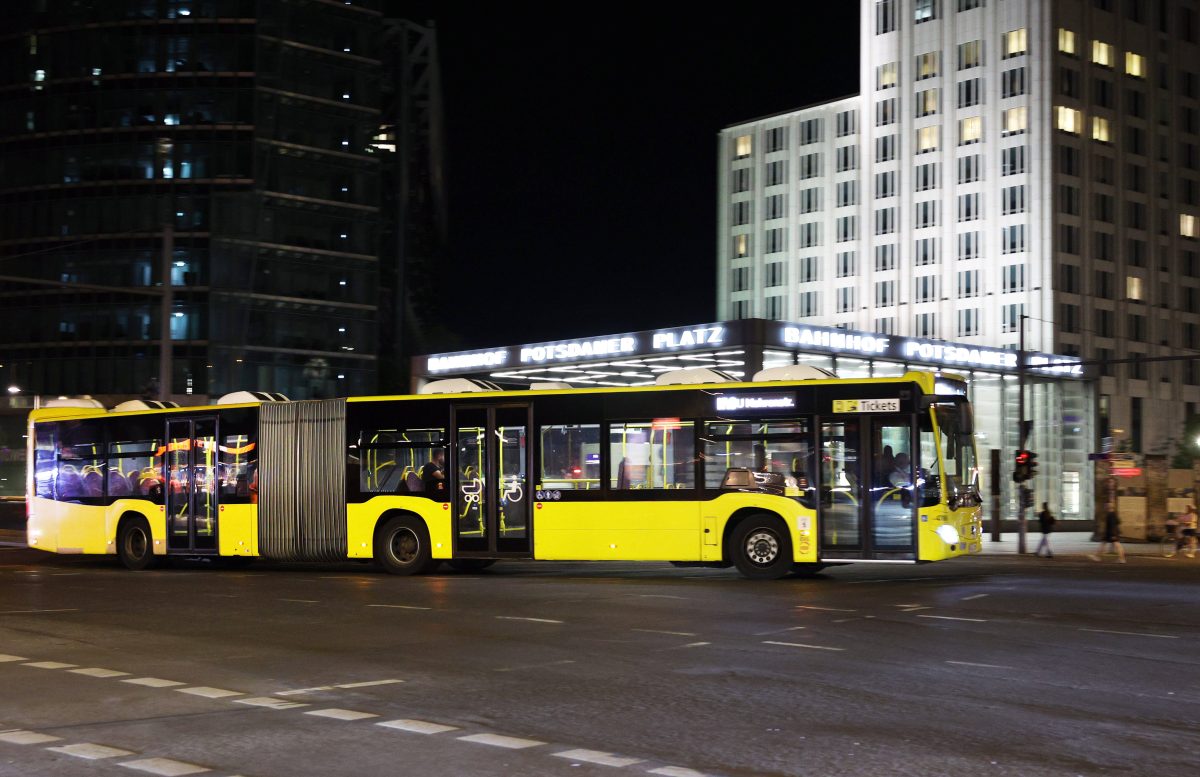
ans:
x=1046 y=519
x=1110 y=536
x=1187 y=525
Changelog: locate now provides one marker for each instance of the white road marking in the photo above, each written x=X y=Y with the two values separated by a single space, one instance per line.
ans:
x=164 y=766
x=400 y=606
x=976 y=596
x=660 y=596
x=50 y=665
x=340 y=714
x=368 y=683
x=417 y=726
x=22 y=737
x=5 y=658
x=696 y=644
x=267 y=701
x=826 y=609
x=496 y=740
x=302 y=601
x=91 y=752
x=153 y=682
x=209 y=693
x=672 y=633
x=985 y=666
x=799 y=645
x=532 y=620
x=95 y=671
x=534 y=666
x=331 y=687
x=35 y=612
x=1131 y=633
x=779 y=631
x=597 y=757
x=914 y=608
x=951 y=618
x=676 y=771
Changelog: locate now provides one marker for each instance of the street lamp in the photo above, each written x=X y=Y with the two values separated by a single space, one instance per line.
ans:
x=14 y=389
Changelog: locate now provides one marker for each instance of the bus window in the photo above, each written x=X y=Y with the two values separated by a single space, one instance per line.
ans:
x=783 y=447
x=44 y=461
x=81 y=465
x=570 y=457
x=958 y=455
x=930 y=467
x=403 y=461
x=135 y=458
x=652 y=455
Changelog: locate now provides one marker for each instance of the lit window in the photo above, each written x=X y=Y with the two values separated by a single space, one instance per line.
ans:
x=1100 y=129
x=1133 y=287
x=744 y=146
x=1014 y=120
x=1066 y=41
x=1014 y=43
x=927 y=65
x=742 y=245
x=1102 y=53
x=1187 y=225
x=1068 y=119
x=970 y=54
x=928 y=139
x=1135 y=64
x=970 y=130
x=886 y=75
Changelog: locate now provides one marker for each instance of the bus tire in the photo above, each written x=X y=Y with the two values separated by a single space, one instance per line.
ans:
x=471 y=564
x=761 y=547
x=135 y=544
x=402 y=546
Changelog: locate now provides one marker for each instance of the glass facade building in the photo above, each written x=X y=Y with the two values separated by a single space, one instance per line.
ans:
x=230 y=145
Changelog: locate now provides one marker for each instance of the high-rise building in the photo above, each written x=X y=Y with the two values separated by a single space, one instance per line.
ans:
x=1003 y=158
x=251 y=144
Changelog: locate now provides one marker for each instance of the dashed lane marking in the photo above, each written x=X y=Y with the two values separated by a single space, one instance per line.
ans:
x=779 y=631
x=400 y=606
x=90 y=751
x=340 y=714
x=35 y=612
x=417 y=726
x=317 y=688
x=153 y=682
x=824 y=609
x=5 y=658
x=660 y=596
x=976 y=596
x=800 y=645
x=23 y=737
x=672 y=633
x=531 y=620
x=695 y=644
x=496 y=740
x=1131 y=633
x=534 y=666
x=677 y=771
x=50 y=665
x=269 y=703
x=985 y=666
x=95 y=671
x=597 y=757
x=302 y=601
x=164 y=767
x=209 y=693
x=952 y=618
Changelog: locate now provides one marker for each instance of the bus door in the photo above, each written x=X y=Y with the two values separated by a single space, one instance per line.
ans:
x=489 y=472
x=191 y=485
x=866 y=485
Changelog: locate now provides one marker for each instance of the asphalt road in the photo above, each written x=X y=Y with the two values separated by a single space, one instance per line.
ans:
x=977 y=666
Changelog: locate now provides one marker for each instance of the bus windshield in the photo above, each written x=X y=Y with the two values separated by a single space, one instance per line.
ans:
x=958 y=454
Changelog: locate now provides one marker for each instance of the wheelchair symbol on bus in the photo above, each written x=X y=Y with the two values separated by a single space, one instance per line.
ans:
x=515 y=492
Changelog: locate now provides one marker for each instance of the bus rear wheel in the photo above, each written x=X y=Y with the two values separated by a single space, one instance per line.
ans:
x=761 y=548
x=135 y=544
x=402 y=546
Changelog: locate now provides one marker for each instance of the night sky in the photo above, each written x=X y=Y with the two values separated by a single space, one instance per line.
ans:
x=581 y=152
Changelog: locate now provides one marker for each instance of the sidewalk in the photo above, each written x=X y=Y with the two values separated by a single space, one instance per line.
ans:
x=1068 y=543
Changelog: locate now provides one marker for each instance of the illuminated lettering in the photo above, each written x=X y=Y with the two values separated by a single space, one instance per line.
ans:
x=463 y=361
x=577 y=349
x=689 y=338
x=835 y=340
x=766 y=402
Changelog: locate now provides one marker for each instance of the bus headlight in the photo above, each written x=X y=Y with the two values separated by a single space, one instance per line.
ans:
x=948 y=534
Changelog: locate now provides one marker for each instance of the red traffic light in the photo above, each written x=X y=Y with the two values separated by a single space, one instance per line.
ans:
x=1023 y=457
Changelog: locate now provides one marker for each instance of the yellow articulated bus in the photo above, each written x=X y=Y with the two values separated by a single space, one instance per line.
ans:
x=770 y=477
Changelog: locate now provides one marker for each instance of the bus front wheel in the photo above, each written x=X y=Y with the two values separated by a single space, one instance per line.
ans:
x=402 y=546
x=761 y=548
x=135 y=544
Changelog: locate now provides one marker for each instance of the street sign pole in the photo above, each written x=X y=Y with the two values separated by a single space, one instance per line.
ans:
x=1021 y=434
